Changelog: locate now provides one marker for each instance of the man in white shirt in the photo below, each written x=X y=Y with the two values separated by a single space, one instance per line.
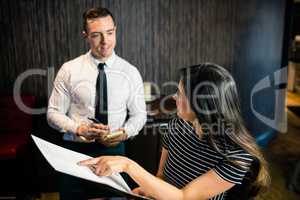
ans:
x=74 y=97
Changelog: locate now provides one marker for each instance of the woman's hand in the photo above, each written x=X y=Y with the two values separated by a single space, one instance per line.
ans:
x=107 y=165
x=141 y=192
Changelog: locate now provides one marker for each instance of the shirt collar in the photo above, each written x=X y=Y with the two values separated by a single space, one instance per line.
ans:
x=108 y=63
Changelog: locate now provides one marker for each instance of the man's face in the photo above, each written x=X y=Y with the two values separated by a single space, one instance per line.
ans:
x=101 y=35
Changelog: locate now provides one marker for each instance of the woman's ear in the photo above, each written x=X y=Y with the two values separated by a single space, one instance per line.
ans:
x=197 y=126
x=193 y=116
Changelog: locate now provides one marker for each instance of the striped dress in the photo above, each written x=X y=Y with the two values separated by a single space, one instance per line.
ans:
x=190 y=156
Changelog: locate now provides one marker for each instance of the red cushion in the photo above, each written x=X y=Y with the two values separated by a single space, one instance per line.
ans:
x=12 y=118
x=15 y=125
x=10 y=143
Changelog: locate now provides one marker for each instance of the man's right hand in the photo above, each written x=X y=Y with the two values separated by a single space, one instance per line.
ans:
x=92 y=131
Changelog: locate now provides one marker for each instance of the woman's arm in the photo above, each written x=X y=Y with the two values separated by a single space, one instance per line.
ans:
x=163 y=158
x=159 y=174
x=204 y=187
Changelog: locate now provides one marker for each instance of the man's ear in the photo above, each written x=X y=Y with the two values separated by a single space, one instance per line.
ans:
x=84 y=34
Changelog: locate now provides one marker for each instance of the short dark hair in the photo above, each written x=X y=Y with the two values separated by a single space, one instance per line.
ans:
x=94 y=13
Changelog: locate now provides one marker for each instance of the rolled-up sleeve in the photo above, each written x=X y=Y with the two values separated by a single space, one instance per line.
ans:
x=231 y=172
x=59 y=103
x=136 y=106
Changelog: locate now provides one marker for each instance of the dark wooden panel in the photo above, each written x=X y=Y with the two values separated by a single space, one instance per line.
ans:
x=158 y=36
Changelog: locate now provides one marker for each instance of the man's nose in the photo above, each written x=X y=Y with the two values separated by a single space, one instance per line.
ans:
x=103 y=39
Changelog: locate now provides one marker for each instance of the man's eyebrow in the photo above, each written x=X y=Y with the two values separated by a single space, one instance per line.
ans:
x=109 y=30
x=112 y=29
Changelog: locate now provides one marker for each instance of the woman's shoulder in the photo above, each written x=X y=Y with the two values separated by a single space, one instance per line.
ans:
x=240 y=154
x=232 y=148
x=228 y=146
x=178 y=123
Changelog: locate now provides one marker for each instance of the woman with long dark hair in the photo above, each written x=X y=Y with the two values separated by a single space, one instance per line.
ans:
x=207 y=153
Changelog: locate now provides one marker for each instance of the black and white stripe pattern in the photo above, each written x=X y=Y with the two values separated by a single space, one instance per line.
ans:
x=189 y=157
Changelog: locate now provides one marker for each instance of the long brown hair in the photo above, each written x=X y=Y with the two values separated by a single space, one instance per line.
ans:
x=219 y=101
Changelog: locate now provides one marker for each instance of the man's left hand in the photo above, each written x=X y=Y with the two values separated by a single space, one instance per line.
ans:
x=112 y=142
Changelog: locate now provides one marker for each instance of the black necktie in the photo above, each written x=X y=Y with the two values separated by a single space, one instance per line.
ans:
x=101 y=95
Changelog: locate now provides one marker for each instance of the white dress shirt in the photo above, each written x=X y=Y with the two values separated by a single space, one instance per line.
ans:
x=72 y=100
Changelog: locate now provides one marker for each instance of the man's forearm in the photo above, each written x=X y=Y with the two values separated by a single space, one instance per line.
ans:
x=134 y=124
x=61 y=122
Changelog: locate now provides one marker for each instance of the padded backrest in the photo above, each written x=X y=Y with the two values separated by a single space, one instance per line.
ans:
x=12 y=119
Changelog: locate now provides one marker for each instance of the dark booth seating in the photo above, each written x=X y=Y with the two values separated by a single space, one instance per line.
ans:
x=15 y=125
x=15 y=129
